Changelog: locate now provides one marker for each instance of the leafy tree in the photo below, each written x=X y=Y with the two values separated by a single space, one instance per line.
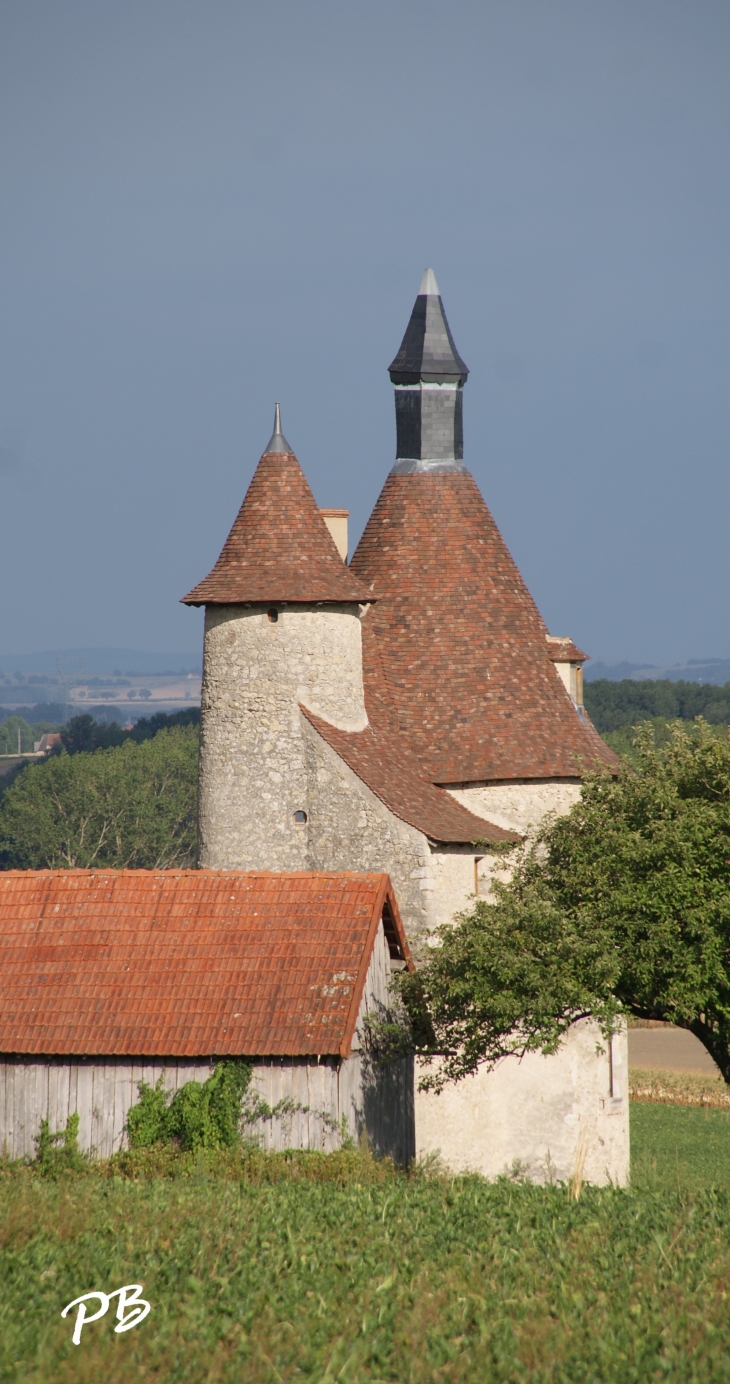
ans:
x=622 y=905
x=15 y=734
x=614 y=705
x=147 y=726
x=134 y=806
x=83 y=735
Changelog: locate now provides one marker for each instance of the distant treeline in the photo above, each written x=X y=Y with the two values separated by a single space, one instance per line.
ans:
x=613 y=706
x=18 y=734
x=82 y=734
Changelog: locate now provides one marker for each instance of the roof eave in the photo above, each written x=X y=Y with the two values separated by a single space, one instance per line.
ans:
x=386 y=894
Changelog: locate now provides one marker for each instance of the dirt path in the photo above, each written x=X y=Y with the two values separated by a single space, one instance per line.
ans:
x=669 y=1050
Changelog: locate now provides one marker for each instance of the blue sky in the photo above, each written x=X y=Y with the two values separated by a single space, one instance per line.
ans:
x=208 y=206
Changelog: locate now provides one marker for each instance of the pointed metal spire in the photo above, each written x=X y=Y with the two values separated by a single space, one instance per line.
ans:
x=277 y=441
x=429 y=288
x=427 y=352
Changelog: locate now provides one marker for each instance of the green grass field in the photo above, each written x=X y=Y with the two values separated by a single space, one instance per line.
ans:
x=314 y=1269
x=677 y=1148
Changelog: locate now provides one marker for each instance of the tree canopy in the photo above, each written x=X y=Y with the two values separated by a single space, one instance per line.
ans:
x=128 y=806
x=83 y=734
x=15 y=732
x=616 y=705
x=621 y=906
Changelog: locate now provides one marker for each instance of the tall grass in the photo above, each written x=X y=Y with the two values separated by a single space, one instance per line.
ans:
x=266 y=1269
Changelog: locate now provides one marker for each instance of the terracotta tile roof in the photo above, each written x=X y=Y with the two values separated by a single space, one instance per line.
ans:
x=279 y=548
x=187 y=963
x=456 y=646
x=564 y=651
x=381 y=759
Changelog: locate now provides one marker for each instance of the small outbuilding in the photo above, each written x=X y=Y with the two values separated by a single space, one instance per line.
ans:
x=110 y=978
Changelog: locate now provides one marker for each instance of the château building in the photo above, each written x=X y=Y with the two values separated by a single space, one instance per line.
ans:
x=399 y=715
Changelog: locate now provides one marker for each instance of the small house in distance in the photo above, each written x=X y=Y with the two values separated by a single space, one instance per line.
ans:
x=109 y=978
x=47 y=742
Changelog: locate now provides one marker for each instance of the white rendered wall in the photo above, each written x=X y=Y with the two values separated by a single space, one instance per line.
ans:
x=252 y=776
x=551 y=1116
x=521 y=804
x=523 y=1111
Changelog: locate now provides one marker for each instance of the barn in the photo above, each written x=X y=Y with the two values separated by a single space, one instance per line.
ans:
x=110 y=978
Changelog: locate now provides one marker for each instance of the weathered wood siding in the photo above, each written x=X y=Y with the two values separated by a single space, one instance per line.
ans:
x=102 y=1090
x=325 y=1098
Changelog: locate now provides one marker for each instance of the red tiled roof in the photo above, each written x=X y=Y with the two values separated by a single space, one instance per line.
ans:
x=564 y=651
x=381 y=759
x=455 y=650
x=187 y=963
x=279 y=548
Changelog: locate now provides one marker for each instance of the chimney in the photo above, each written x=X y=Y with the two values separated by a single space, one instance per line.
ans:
x=336 y=521
x=568 y=662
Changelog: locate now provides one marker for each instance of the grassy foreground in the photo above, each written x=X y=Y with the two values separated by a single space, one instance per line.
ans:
x=308 y=1268
x=680 y=1148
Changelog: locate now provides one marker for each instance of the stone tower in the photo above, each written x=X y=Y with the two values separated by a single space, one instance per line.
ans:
x=282 y=630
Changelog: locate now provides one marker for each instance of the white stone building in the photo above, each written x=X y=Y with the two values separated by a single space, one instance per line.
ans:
x=393 y=714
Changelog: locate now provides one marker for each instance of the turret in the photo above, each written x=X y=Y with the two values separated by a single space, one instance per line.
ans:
x=429 y=376
x=282 y=629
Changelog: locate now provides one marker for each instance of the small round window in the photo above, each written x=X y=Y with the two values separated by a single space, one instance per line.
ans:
x=300 y=818
x=273 y=615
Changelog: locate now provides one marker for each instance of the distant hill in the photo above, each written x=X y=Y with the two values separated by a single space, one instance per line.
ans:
x=715 y=671
x=120 y=661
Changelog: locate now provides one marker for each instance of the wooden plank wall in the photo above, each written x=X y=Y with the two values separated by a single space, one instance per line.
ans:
x=319 y=1092
x=101 y=1090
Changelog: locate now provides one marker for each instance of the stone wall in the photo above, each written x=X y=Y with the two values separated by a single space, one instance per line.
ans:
x=349 y=828
x=261 y=761
x=451 y=882
x=253 y=776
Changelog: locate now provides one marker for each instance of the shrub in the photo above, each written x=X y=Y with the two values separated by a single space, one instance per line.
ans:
x=201 y=1115
x=59 y=1152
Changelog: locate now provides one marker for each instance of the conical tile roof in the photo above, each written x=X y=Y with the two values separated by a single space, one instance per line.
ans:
x=455 y=651
x=279 y=548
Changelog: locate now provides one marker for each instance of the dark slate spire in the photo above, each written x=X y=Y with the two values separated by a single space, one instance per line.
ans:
x=429 y=375
x=427 y=352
